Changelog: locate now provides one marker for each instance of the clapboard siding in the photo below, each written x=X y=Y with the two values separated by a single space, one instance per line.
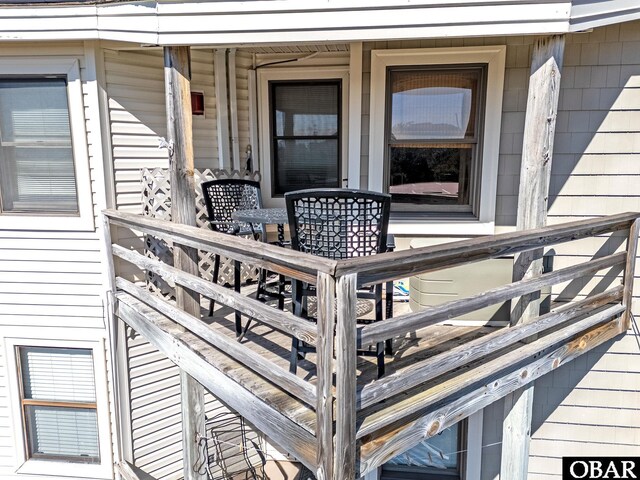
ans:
x=52 y=279
x=156 y=429
x=590 y=406
x=135 y=87
x=6 y=431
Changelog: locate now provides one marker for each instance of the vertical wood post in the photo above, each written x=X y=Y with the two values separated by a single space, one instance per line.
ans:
x=629 y=270
x=177 y=75
x=326 y=294
x=345 y=445
x=535 y=173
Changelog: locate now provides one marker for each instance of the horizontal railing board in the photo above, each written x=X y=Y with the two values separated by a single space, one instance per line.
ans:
x=441 y=389
x=378 y=448
x=252 y=397
x=278 y=319
x=271 y=372
x=286 y=261
x=394 y=265
x=381 y=331
x=456 y=357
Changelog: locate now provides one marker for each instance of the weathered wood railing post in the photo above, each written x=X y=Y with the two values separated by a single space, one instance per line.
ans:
x=177 y=74
x=326 y=287
x=535 y=173
x=629 y=271
x=345 y=443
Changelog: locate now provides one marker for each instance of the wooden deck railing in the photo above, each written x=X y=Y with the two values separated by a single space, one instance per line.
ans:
x=345 y=427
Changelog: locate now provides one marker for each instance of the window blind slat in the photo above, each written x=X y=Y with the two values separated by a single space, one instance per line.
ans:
x=37 y=172
x=63 y=431
x=58 y=374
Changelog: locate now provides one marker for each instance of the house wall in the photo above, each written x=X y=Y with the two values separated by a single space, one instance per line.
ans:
x=52 y=285
x=590 y=406
x=137 y=121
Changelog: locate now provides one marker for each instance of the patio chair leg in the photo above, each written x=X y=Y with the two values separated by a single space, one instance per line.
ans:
x=388 y=350
x=216 y=271
x=236 y=285
x=281 y=280
x=378 y=297
x=293 y=361
x=261 y=293
x=380 y=358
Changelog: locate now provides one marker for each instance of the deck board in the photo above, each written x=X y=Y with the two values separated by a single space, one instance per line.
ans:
x=274 y=346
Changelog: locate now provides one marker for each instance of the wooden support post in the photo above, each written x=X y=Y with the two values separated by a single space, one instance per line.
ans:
x=177 y=75
x=326 y=287
x=345 y=444
x=629 y=271
x=535 y=173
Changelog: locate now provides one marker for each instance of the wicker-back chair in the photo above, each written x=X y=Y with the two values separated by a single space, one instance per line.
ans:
x=222 y=198
x=338 y=224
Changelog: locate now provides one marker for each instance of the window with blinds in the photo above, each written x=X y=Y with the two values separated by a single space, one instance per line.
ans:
x=433 y=135
x=37 y=173
x=59 y=404
x=305 y=134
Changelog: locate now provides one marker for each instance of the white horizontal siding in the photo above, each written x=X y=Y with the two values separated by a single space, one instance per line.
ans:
x=591 y=405
x=137 y=113
x=156 y=428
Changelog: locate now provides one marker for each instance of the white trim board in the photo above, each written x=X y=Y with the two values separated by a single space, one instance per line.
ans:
x=494 y=57
x=266 y=75
x=93 y=340
x=84 y=220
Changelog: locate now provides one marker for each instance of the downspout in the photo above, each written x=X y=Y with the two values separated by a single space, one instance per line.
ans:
x=233 y=111
x=222 y=110
x=254 y=152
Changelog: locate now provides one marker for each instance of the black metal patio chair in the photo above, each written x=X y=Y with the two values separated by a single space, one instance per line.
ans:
x=339 y=224
x=222 y=198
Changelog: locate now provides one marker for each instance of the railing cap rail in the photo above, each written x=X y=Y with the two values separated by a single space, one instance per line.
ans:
x=419 y=260
x=243 y=247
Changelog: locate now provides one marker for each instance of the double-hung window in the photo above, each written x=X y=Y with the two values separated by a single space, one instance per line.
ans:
x=58 y=399
x=44 y=165
x=434 y=138
x=37 y=174
x=433 y=125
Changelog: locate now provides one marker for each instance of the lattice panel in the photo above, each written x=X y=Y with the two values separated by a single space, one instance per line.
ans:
x=156 y=198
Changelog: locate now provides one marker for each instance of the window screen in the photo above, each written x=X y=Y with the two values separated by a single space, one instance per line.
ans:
x=305 y=132
x=433 y=136
x=59 y=403
x=37 y=173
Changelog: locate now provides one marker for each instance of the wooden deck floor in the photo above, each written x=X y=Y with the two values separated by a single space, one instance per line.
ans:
x=275 y=347
x=420 y=345
x=244 y=389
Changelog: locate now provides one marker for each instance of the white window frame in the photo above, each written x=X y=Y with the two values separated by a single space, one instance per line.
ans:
x=494 y=57
x=84 y=219
x=31 y=466
x=267 y=75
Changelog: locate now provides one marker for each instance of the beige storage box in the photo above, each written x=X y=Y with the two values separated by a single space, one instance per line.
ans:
x=434 y=288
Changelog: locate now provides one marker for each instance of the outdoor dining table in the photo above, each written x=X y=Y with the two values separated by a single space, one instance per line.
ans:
x=268 y=216
x=278 y=216
x=264 y=216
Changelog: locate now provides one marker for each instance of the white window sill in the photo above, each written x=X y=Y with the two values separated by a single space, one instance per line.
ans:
x=64 y=469
x=81 y=223
x=440 y=227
